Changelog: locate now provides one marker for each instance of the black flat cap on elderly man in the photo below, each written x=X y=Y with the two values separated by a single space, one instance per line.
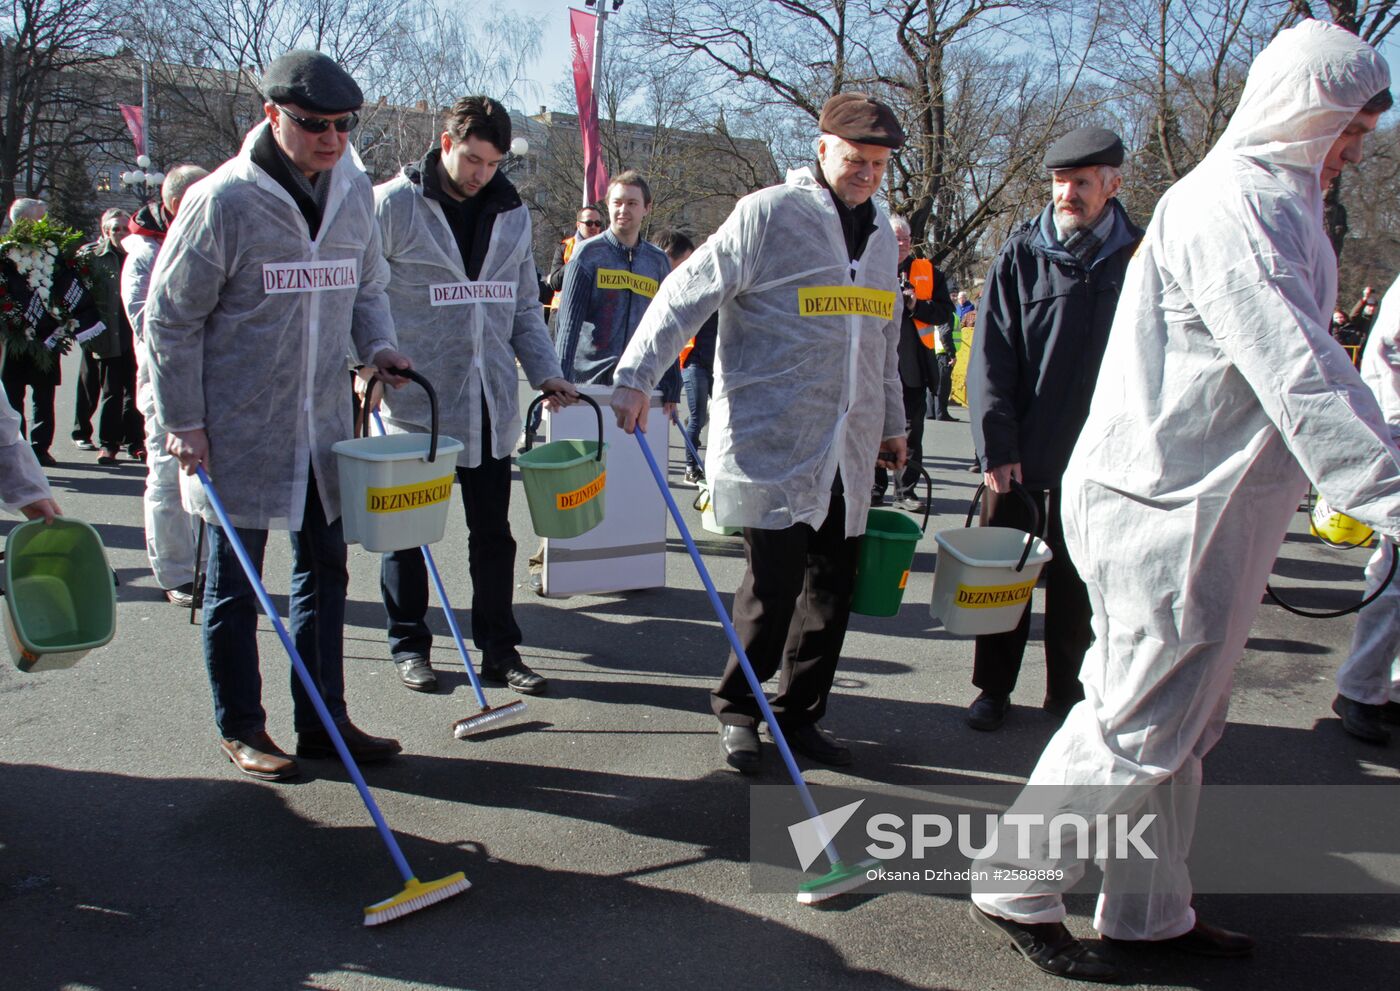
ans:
x=861 y=119
x=1085 y=146
x=312 y=81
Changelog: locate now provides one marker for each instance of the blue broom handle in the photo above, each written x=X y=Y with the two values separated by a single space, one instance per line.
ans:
x=676 y=419
x=754 y=684
x=311 y=690
x=446 y=605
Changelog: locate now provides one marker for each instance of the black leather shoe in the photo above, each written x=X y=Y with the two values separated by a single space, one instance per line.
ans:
x=514 y=673
x=988 y=712
x=416 y=673
x=945 y=418
x=1361 y=720
x=46 y=459
x=1202 y=941
x=1390 y=712
x=812 y=741
x=1059 y=708
x=181 y=595
x=315 y=743
x=740 y=745
x=1049 y=946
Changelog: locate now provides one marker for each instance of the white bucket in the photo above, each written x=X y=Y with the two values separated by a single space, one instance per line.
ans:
x=392 y=498
x=976 y=585
x=706 y=505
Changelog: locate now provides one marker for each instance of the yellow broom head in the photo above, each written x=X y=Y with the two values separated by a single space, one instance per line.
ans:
x=416 y=894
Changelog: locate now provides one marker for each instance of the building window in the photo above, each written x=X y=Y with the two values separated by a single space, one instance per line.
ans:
x=104 y=181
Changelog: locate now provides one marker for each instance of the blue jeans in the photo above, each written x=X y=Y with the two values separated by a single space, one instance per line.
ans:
x=697 y=381
x=317 y=621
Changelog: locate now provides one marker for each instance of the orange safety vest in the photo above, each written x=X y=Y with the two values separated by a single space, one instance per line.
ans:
x=568 y=244
x=921 y=278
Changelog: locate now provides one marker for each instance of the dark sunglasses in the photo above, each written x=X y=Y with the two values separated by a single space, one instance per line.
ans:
x=591 y=223
x=320 y=125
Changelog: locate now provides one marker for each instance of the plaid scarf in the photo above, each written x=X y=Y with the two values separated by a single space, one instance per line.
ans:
x=1084 y=242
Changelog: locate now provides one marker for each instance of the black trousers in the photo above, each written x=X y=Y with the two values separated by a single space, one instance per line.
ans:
x=20 y=374
x=944 y=363
x=119 y=424
x=86 y=399
x=914 y=433
x=490 y=560
x=791 y=611
x=997 y=657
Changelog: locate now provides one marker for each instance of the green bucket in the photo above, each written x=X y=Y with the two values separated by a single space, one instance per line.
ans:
x=59 y=599
x=886 y=557
x=564 y=480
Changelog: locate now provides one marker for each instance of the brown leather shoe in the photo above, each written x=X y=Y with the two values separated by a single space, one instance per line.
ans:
x=259 y=757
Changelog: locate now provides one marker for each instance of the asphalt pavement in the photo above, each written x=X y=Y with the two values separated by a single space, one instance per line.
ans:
x=605 y=840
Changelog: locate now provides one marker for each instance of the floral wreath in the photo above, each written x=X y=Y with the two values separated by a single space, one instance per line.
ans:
x=46 y=298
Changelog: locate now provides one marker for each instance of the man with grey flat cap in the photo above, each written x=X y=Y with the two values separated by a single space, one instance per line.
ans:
x=271 y=277
x=1042 y=327
x=807 y=392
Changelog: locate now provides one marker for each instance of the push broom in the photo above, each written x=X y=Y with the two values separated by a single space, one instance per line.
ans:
x=489 y=718
x=842 y=877
x=416 y=894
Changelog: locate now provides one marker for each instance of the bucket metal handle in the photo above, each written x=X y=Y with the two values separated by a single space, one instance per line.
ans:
x=597 y=412
x=928 y=488
x=1025 y=495
x=412 y=376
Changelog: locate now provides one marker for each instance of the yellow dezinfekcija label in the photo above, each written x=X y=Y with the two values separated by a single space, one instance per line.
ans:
x=992 y=596
x=402 y=498
x=576 y=498
x=616 y=278
x=845 y=301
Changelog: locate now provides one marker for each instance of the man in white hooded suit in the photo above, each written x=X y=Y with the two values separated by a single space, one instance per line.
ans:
x=1224 y=395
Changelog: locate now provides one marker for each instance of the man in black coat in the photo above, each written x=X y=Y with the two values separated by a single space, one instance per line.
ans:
x=1042 y=327
x=919 y=368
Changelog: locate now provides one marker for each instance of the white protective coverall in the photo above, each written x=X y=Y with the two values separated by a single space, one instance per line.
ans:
x=1223 y=394
x=250 y=327
x=170 y=538
x=22 y=479
x=1371 y=672
x=463 y=336
x=806 y=365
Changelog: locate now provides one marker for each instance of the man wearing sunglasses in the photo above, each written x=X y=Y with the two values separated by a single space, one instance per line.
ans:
x=270 y=278
x=589 y=223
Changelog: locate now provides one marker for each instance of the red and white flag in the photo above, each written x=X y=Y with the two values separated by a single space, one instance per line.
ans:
x=136 y=124
x=595 y=172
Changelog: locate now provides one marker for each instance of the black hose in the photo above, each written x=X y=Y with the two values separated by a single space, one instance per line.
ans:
x=1311 y=614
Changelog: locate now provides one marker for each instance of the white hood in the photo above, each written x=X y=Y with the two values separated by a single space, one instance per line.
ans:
x=1302 y=92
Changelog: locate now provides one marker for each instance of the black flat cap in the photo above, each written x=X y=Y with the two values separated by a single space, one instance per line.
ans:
x=1085 y=146
x=860 y=118
x=313 y=81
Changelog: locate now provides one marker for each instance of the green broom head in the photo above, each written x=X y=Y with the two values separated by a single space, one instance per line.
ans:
x=416 y=894
x=841 y=878
x=489 y=718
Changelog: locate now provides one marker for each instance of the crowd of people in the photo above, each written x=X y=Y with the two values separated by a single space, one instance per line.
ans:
x=242 y=307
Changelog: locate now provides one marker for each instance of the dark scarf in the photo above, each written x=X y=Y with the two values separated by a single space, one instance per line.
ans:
x=1084 y=242
x=856 y=224
x=310 y=197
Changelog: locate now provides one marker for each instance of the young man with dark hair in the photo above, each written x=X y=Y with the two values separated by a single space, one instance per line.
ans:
x=462 y=293
x=607 y=287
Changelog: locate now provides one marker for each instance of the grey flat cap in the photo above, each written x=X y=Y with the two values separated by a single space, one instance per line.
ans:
x=1085 y=146
x=313 y=81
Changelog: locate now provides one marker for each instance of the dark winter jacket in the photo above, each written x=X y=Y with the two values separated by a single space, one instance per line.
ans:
x=916 y=362
x=1042 y=326
x=104 y=261
x=472 y=219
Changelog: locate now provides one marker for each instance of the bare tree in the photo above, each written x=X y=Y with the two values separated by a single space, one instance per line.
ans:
x=49 y=48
